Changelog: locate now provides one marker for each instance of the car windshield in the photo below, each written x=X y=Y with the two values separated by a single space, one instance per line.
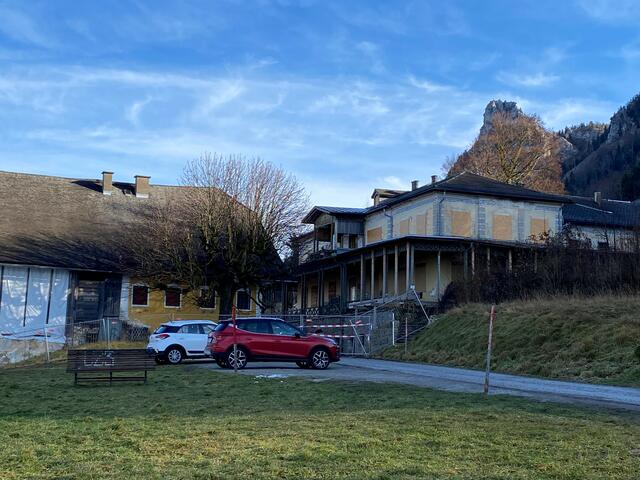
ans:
x=221 y=326
x=167 y=329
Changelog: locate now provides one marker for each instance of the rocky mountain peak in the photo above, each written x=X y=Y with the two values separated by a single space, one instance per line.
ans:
x=494 y=107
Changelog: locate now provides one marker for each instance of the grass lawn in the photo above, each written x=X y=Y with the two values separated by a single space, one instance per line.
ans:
x=595 y=339
x=192 y=423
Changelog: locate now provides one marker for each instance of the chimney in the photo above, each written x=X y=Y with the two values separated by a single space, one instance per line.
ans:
x=597 y=197
x=414 y=184
x=107 y=183
x=434 y=178
x=142 y=186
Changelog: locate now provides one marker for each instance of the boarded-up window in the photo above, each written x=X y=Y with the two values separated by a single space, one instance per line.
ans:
x=403 y=227
x=502 y=227
x=332 y=290
x=460 y=224
x=421 y=224
x=374 y=235
x=539 y=226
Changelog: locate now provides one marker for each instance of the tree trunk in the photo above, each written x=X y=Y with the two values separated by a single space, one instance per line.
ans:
x=227 y=297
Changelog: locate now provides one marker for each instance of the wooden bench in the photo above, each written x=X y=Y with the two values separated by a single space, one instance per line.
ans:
x=87 y=364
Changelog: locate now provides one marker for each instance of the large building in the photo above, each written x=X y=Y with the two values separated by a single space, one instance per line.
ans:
x=425 y=238
x=60 y=261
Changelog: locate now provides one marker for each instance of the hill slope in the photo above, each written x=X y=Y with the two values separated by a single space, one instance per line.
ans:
x=585 y=339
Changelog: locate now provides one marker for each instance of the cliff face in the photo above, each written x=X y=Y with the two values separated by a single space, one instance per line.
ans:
x=607 y=157
x=594 y=156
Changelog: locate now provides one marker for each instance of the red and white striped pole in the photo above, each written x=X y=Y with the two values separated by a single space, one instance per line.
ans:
x=235 y=343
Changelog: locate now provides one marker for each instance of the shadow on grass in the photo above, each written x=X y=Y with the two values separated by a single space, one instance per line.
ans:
x=192 y=391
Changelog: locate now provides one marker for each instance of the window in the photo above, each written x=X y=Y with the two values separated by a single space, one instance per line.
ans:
x=332 y=290
x=172 y=297
x=502 y=227
x=167 y=329
x=243 y=299
x=403 y=226
x=421 y=224
x=281 y=328
x=207 y=298
x=538 y=227
x=140 y=296
x=374 y=235
x=353 y=241
x=254 y=325
x=208 y=328
x=460 y=224
x=192 y=329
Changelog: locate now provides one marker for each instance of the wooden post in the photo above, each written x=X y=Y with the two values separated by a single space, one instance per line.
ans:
x=318 y=293
x=361 y=276
x=492 y=317
x=321 y=289
x=373 y=274
x=396 y=262
x=473 y=261
x=408 y=268
x=465 y=261
x=235 y=342
x=488 y=259
x=510 y=261
x=384 y=272
x=438 y=277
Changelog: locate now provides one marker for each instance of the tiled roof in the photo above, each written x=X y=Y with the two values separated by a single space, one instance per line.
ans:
x=68 y=222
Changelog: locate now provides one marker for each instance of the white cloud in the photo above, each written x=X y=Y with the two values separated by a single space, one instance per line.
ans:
x=612 y=11
x=527 y=80
x=133 y=112
x=22 y=28
x=427 y=85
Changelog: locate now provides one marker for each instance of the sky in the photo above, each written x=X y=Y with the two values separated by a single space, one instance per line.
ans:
x=347 y=95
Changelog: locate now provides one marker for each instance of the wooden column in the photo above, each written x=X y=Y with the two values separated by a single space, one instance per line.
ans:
x=465 y=262
x=344 y=287
x=303 y=292
x=319 y=293
x=473 y=261
x=438 y=276
x=373 y=274
x=396 y=262
x=488 y=259
x=408 y=267
x=384 y=272
x=510 y=261
x=361 y=276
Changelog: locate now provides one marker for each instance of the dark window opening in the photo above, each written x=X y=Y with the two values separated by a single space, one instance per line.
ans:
x=172 y=297
x=140 y=295
x=243 y=300
x=207 y=298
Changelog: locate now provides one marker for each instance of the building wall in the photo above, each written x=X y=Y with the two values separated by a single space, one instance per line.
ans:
x=456 y=215
x=618 y=238
x=156 y=313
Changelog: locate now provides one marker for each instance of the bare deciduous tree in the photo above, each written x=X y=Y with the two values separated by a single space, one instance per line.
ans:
x=517 y=151
x=224 y=230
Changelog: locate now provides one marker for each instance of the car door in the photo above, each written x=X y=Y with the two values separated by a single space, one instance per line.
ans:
x=192 y=335
x=288 y=340
x=256 y=336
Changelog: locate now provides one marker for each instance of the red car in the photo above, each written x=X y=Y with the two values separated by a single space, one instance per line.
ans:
x=269 y=340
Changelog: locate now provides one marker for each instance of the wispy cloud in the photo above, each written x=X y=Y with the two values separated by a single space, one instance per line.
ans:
x=527 y=80
x=22 y=28
x=612 y=11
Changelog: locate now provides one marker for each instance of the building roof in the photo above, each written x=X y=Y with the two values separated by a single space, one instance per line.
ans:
x=611 y=213
x=387 y=192
x=465 y=182
x=470 y=183
x=69 y=222
x=315 y=212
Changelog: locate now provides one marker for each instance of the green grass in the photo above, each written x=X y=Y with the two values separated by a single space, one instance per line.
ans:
x=192 y=423
x=585 y=339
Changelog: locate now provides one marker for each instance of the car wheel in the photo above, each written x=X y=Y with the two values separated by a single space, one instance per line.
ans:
x=303 y=364
x=320 y=359
x=221 y=363
x=174 y=355
x=241 y=358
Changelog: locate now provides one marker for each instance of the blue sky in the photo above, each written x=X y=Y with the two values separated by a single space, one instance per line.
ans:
x=349 y=95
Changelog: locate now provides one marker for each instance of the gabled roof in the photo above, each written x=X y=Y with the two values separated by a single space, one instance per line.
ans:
x=387 y=192
x=611 y=213
x=68 y=222
x=339 y=211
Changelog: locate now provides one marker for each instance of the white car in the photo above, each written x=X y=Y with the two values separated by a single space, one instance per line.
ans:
x=174 y=341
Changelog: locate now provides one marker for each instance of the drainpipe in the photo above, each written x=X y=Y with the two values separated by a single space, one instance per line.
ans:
x=390 y=217
x=444 y=195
